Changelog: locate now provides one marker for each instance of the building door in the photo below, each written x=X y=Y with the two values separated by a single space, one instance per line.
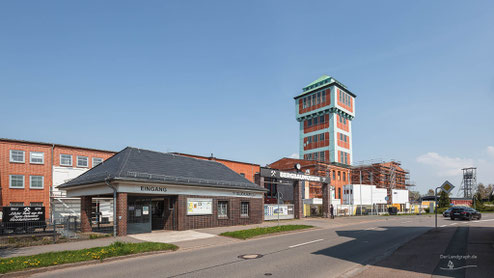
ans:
x=138 y=215
x=158 y=214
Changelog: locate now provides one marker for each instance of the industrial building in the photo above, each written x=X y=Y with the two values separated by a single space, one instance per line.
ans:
x=325 y=110
x=30 y=172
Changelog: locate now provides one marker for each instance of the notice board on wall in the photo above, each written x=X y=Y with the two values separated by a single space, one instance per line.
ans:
x=23 y=214
x=199 y=206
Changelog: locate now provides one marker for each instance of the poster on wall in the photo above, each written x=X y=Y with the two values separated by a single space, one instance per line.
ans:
x=196 y=206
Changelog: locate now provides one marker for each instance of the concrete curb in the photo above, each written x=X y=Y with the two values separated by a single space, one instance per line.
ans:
x=29 y=272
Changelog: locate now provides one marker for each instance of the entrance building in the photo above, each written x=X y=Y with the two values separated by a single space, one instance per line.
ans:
x=156 y=191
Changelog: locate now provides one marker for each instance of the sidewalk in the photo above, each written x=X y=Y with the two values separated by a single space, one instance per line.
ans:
x=186 y=240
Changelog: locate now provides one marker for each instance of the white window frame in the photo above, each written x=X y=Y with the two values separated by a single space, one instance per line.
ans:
x=42 y=157
x=223 y=216
x=23 y=156
x=10 y=204
x=92 y=161
x=71 y=160
x=31 y=182
x=82 y=166
x=16 y=187
x=242 y=214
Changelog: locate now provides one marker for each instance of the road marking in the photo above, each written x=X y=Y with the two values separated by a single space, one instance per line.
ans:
x=308 y=242
x=368 y=229
x=487 y=220
x=406 y=222
x=454 y=224
x=443 y=226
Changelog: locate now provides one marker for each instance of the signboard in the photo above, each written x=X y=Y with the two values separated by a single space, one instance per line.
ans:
x=447 y=187
x=272 y=173
x=273 y=211
x=23 y=214
x=196 y=206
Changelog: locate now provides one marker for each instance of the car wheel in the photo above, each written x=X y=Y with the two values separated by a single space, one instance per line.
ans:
x=480 y=216
x=470 y=217
x=452 y=218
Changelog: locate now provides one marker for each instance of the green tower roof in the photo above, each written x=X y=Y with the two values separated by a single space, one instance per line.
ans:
x=321 y=82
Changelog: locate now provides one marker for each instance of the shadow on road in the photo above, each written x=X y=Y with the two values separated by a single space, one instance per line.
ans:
x=449 y=251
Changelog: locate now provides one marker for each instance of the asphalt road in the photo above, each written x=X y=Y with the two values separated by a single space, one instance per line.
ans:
x=329 y=252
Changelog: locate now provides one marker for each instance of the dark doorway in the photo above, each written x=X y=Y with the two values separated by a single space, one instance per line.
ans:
x=138 y=215
x=158 y=214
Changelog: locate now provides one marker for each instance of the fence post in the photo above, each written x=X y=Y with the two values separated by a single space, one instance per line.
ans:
x=54 y=231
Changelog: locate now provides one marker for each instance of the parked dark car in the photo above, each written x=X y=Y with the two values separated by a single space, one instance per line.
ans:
x=464 y=213
x=447 y=212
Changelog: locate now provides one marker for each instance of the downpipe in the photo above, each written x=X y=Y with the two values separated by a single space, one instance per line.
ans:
x=107 y=181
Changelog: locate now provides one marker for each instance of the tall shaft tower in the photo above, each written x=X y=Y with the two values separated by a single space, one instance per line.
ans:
x=469 y=183
x=325 y=110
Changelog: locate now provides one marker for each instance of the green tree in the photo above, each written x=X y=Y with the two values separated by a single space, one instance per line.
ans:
x=444 y=200
x=430 y=192
x=477 y=201
x=414 y=195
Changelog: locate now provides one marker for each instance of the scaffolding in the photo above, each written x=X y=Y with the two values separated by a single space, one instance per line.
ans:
x=469 y=183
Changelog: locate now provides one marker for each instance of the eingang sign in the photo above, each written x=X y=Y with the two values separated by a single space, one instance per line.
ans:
x=272 y=173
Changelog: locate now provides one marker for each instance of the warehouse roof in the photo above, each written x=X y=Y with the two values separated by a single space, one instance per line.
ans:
x=133 y=164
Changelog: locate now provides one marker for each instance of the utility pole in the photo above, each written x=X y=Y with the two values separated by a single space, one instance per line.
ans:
x=360 y=192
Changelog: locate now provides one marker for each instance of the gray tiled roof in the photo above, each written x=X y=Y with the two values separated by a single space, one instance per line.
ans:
x=134 y=164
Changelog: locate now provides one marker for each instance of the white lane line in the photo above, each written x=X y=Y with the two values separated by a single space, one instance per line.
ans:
x=454 y=224
x=308 y=242
x=487 y=220
x=368 y=229
x=443 y=226
x=406 y=222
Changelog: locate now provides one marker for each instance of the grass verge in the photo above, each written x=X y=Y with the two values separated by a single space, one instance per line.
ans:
x=64 y=257
x=245 y=234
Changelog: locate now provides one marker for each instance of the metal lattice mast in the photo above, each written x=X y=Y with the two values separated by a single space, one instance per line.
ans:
x=469 y=183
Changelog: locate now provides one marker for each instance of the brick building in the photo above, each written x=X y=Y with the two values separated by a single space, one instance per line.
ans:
x=389 y=175
x=155 y=191
x=382 y=174
x=325 y=110
x=29 y=169
x=339 y=175
x=245 y=169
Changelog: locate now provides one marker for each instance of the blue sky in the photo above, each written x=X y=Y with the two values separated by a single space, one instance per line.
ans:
x=219 y=77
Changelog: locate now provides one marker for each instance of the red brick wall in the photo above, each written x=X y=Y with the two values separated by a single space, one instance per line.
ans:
x=318 y=126
x=248 y=169
x=318 y=144
x=79 y=152
x=340 y=125
x=186 y=222
x=25 y=195
x=86 y=208
x=301 y=110
x=348 y=108
x=122 y=214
